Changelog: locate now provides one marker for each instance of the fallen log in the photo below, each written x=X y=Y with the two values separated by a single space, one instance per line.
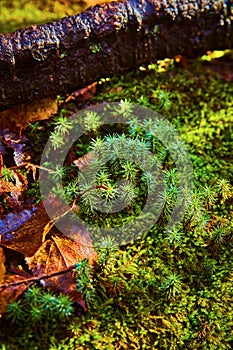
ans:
x=108 y=39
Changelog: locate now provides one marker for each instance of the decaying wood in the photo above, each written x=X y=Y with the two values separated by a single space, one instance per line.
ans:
x=108 y=39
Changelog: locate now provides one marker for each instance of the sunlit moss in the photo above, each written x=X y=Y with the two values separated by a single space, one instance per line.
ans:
x=15 y=14
x=168 y=290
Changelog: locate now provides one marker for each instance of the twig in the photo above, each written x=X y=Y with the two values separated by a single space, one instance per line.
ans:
x=36 y=279
x=28 y=164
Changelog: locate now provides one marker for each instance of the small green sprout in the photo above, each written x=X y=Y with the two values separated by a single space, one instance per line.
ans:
x=95 y=48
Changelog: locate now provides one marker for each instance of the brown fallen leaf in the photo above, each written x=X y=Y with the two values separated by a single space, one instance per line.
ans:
x=1 y=162
x=52 y=262
x=82 y=95
x=13 y=189
x=9 y=190
x=2 y=265
x=55 y=255
x=23 y=114
x=28 y=238
x=76 y=249
x=83 y=162
x=10 y=293
x=18 y=144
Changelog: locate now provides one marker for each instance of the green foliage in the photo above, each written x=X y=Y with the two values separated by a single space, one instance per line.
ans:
x=171 y=286
x=84 y=281
x=95 y=48
x=62 y=123
x=7 y=174
x=38 y=307
x=167 y=290
x=20 y=13
x=35 y=318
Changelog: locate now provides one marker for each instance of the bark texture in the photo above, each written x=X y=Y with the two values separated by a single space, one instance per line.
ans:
x=107 y=39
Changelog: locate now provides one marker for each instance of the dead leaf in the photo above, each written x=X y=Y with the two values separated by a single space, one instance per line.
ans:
x=60 y=252
x=62 y=214
x=21 y=182
x=56 y=254
x=9 y=187
x=1 y=163
x=78 y=249
x=28 y=238
x=83 y=162
x=12 y=221
x=18 y=144
x=2 y=265
x=11 y=194
x=29 y=112
x=11 y=293
x=82 y=95
x=13 y=190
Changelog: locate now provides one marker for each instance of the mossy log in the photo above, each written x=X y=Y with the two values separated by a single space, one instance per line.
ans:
x=108 y=39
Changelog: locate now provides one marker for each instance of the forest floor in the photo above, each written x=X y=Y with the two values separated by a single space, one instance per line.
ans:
x=164 y=290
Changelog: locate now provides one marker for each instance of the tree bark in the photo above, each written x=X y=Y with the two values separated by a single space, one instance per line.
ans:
x=107 y=39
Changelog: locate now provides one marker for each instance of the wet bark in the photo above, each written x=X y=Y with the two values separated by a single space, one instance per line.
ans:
x=104 y=40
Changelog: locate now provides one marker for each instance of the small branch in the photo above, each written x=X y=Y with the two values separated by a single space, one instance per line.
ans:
x=30 y=165
x=36 y=279
x=91 y=188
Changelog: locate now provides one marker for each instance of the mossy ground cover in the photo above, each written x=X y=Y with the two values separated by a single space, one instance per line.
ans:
x=16 y=14
x=166 y=290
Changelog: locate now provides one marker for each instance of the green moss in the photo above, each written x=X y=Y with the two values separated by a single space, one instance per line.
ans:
x=15 y=14
x=168 y=290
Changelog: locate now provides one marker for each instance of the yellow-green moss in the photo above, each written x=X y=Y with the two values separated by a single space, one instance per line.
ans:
x=171 y=291
x=15 y=14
